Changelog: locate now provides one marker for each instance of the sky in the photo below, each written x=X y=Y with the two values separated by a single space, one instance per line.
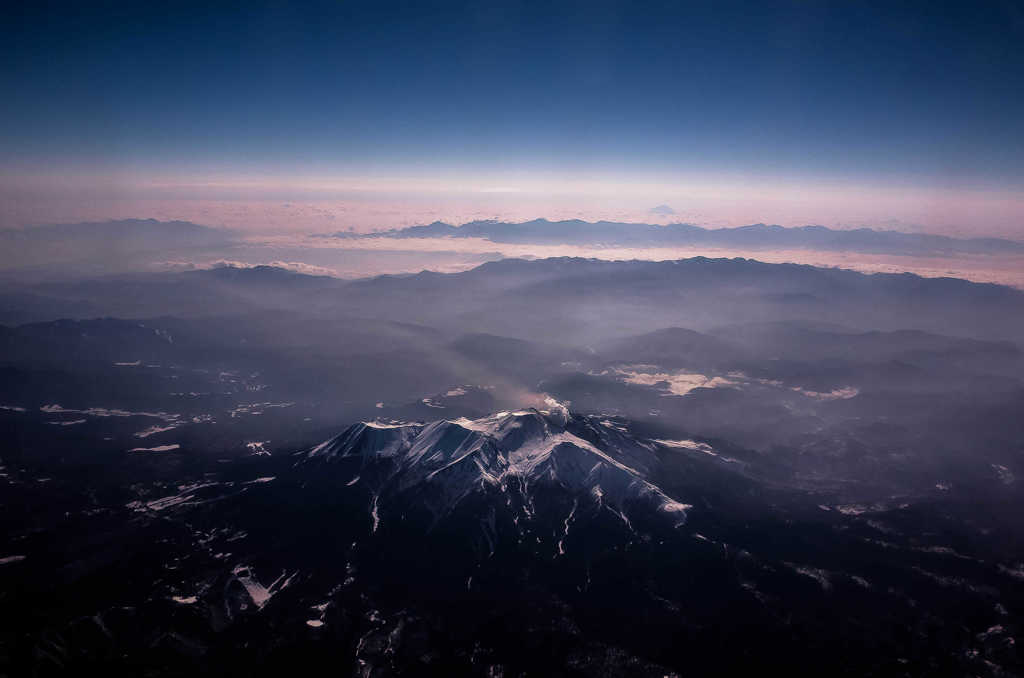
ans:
x=372 y=115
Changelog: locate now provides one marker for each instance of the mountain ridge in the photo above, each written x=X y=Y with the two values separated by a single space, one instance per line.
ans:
x=757 y=236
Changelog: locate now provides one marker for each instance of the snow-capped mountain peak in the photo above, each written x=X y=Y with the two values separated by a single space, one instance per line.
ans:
x=509 y=459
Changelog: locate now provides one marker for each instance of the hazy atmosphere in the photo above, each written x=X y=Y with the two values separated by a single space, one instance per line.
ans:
x=512 y=339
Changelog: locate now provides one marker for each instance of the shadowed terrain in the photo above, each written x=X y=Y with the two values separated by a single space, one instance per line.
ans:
x=629 y=468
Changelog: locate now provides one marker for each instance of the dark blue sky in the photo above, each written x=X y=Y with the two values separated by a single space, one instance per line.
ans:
x=926 y=91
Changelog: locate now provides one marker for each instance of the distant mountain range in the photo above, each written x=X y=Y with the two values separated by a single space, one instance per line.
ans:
x=107 y=246
x=130 y=233
x=525 y=299
x=756 y=236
